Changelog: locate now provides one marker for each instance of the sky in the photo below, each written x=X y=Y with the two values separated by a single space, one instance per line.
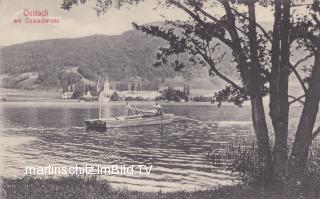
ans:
x=81 y=20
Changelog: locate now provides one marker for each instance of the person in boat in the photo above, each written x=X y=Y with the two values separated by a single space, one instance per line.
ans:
x=154 y=111
x=129 y=109
x=158 y=109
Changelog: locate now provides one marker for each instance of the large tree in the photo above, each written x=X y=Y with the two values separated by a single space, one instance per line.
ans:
x=262 y=60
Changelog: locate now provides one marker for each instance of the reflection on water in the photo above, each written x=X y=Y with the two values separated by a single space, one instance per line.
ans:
x=56 y=136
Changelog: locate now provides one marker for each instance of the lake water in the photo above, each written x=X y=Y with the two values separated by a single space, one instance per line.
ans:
x=42 y=134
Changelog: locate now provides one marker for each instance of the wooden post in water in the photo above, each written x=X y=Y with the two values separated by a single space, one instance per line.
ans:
x=100 y=106
x=99 y=97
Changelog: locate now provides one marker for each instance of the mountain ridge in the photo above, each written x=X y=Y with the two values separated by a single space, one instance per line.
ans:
x=125 y=57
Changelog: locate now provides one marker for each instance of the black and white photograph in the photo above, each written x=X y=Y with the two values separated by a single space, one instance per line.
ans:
x=159 y=99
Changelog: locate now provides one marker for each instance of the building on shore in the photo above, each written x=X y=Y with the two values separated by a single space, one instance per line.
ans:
x=146 y=95
x=67 y=95
x=106 y=93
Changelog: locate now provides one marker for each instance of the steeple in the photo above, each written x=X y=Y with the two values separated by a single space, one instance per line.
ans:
x=107 y=92
x=106 y=87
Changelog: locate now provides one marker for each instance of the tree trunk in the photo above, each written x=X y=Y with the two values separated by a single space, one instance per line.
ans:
x=263 y=142
x=279 y=105
x=303 y=138
x=255 y=86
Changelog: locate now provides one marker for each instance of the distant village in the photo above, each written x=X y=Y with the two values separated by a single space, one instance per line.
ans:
x=131 y=91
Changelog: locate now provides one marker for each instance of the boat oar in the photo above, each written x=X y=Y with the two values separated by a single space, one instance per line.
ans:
x=186 y=118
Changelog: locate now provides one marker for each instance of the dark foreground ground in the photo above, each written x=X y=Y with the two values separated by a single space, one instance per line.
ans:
x=92 y=188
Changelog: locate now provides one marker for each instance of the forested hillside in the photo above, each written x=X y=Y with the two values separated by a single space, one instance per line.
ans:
x=125 y=57
x=129 y=55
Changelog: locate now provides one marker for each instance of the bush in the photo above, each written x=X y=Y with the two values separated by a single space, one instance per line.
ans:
x=114 y=97
x=129 y=98
x=76 y=94
x=202 y=99
x=139 y=99
x=174 y=95
x=159 y=98
x=177 y=98
x=63 y=187
x=245 y=162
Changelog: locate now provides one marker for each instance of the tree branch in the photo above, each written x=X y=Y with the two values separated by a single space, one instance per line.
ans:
x=257 y=24
x=315 y=133
x=211 y=17
x=316 y=19
x=217 y=72
x=301 y=33
x=301 y=5
x=296 y=99
x=218 y=21
x=200 y=21
x=189 y=12
x=302 y=60
x=294 y=70
x=237 y=48
x=298 y=77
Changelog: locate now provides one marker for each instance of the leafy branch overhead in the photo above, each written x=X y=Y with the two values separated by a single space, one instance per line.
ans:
x=201 y=36
x=195 y=43
x=236 y=30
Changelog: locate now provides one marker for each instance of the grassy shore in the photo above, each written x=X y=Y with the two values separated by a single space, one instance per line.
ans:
x=93 y=188
x=42 y=97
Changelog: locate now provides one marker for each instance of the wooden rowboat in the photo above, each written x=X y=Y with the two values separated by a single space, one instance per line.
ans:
x=128 y=121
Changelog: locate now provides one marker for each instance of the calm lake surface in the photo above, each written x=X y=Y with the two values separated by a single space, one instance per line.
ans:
x=42 y=134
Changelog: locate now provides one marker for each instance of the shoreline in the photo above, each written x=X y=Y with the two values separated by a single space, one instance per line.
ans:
x=95 y=104
x=49 y=97
x=93 y=187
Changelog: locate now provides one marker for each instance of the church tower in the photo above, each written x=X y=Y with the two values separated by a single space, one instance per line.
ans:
x=107 y=92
